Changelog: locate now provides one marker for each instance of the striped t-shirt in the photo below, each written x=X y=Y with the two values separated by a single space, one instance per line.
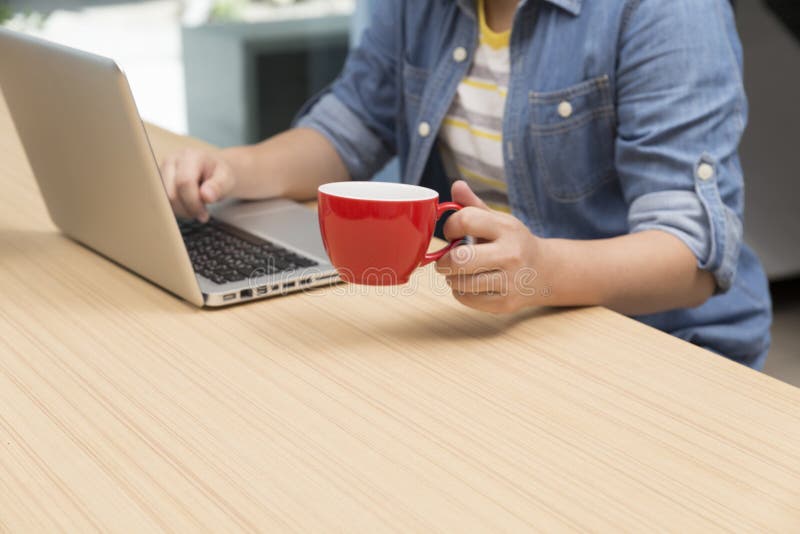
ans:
x=471 y=138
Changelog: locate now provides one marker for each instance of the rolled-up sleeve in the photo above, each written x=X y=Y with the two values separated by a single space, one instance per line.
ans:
x=681 y=114
x=358 y=112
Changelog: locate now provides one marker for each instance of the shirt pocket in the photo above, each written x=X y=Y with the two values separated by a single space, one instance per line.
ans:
x=572 y=133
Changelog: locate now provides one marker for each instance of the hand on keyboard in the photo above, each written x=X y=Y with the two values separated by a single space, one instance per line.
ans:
x=194 y=178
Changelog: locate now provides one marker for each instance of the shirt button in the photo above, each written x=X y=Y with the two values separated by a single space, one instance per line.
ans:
x=460 y=54
x=705 y=171
x=565 y=109
x=424 y=129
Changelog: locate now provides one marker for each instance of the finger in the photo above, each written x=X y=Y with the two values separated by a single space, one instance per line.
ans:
x=473 y=221
x=496 y=282
x=487 y=302
x=188 y=173
x=168 y=177
x=217 y=186
x=472 y=259
x=464 y=195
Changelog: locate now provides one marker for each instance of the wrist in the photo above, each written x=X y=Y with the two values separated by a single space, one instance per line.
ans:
x=232 y=158
x=241 y=161
x=547 y=265
x=566 y=274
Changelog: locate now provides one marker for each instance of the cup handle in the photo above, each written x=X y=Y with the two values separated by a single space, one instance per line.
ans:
x=435 y=256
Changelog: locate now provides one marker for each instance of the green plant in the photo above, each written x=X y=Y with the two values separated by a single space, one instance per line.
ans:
x=224 y=10
x=5 y=12
x=21 y=21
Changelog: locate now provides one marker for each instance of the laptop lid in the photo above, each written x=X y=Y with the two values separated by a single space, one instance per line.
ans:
x=89 y=151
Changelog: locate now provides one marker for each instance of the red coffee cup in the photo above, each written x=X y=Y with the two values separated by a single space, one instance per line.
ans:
x=376 y=233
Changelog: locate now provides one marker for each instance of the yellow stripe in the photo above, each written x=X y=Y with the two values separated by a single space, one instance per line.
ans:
x=499 y=207
x=474 y=131
x=487 y=86
x=490 y=37
x=494 y=43
x=480 y=84
x=470 y=175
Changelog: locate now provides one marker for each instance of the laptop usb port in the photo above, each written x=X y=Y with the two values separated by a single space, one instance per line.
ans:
x=229 y=296
x=246 y=293
x=261 y=290
x=289 y=285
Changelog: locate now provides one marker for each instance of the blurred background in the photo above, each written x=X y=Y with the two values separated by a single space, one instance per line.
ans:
x=236 y=71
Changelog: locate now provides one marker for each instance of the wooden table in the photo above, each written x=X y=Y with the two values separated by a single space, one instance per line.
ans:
x=125 y=409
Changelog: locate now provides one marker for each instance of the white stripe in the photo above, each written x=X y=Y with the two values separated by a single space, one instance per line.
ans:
x=496 y=60
x=482 y=101
x=486 y=150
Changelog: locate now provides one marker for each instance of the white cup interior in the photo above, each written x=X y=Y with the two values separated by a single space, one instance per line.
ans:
x=382 y=191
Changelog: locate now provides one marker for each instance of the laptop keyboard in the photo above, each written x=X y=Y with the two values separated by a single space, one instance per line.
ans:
x=224 y=254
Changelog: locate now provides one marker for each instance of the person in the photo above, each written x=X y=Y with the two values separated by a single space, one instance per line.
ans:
x=593 y=145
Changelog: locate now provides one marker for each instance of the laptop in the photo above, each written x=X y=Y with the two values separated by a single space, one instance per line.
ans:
x=92 y=159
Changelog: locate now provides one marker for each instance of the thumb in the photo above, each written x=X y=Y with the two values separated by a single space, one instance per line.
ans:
x=462 y=194
x=217 y=186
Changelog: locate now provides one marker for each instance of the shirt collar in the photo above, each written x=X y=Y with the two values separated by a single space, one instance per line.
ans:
x=571 y=6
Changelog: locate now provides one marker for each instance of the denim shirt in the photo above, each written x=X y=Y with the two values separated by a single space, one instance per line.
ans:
x=649 y=142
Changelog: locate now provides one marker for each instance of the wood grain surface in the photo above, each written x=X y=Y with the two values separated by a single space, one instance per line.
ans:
x=345 y=409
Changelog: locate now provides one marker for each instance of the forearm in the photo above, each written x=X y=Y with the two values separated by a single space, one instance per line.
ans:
x=635 y=274
x=291 y=164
